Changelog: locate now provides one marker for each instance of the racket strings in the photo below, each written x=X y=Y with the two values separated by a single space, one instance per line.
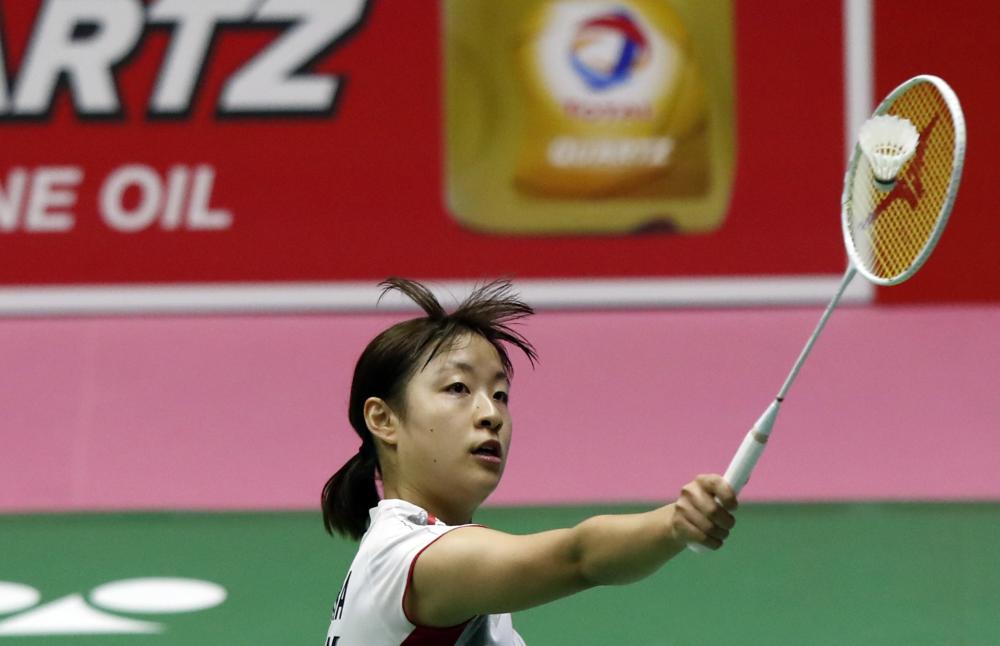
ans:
x=891 y=228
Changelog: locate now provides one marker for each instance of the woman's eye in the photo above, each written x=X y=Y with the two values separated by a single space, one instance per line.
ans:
x=501 y=396
x=457 y=387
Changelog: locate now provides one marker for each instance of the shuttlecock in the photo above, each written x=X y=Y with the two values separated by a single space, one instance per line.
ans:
x=888 y=142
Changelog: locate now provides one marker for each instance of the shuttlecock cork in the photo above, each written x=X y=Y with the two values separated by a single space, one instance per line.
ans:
x=888 y=142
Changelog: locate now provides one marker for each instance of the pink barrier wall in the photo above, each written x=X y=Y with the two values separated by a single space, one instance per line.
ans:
x=249 y=412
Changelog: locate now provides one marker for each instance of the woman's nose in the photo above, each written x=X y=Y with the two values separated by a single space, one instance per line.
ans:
x=488 y=413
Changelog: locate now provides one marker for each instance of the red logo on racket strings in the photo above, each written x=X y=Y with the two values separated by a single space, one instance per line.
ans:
x=910 y=185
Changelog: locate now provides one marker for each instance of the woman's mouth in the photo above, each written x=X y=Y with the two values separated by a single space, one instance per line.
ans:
x=489 y=452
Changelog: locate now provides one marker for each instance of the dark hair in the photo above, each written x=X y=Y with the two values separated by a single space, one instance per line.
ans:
x=391 y=359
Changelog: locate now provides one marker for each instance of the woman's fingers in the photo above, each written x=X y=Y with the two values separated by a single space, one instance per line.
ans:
x=705 y=505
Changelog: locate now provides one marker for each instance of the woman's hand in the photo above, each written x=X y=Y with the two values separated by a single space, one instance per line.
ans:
x=701 y=513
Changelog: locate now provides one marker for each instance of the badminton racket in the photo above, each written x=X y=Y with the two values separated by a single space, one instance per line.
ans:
x=899 y=189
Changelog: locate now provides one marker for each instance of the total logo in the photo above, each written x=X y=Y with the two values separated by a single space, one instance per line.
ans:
x=604 y=61
x=76 y=615
x=608 y=48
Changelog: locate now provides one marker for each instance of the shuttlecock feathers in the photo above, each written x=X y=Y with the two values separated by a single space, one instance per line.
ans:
x=888 y=142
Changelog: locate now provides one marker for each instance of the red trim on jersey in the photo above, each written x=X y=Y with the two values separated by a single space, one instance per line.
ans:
x=429 y=635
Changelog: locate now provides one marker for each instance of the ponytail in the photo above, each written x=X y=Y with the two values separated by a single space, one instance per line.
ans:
x=350 y=493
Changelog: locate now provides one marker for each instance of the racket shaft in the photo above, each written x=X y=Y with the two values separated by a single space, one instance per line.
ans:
x=743 y=463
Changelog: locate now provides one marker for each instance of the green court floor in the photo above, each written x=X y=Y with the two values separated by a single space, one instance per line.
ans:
x=844 y=574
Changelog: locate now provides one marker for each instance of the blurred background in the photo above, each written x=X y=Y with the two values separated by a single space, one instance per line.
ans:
x=197 y=202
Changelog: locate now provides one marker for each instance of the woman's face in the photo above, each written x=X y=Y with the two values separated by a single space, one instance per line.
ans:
x=455 y=429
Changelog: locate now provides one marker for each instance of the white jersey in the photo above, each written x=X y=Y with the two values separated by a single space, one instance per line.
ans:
x=369 y=609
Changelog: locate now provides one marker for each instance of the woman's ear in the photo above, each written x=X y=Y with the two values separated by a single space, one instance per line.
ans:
x=381 y=420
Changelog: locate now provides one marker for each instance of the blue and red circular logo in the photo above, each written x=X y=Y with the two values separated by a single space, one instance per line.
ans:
x=607 y=49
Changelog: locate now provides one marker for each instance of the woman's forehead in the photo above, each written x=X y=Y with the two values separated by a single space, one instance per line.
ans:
x=468 y=353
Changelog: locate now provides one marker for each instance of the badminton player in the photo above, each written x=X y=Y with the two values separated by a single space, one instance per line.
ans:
x=429 y=401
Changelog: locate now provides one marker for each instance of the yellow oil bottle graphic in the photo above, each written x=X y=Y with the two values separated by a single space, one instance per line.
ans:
x=588 y=116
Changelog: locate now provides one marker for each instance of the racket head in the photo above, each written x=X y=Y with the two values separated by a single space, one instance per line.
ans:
x=890 y=232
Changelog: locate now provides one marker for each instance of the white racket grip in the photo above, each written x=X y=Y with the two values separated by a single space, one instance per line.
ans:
x=749 y=452
x=747 y=455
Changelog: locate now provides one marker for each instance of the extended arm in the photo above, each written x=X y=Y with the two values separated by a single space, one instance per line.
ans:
x=476 y=570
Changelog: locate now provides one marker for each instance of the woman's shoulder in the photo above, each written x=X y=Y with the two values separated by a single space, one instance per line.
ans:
x=398 y=532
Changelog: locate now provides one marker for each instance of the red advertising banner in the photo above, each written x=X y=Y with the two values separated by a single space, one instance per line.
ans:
x=173 y=142
x=178 y=142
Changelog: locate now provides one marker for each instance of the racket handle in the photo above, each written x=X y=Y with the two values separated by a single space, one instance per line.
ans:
x=749 y=452
x=747 y=455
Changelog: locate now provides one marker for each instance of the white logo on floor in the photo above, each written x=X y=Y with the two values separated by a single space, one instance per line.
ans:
x=73 y=615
